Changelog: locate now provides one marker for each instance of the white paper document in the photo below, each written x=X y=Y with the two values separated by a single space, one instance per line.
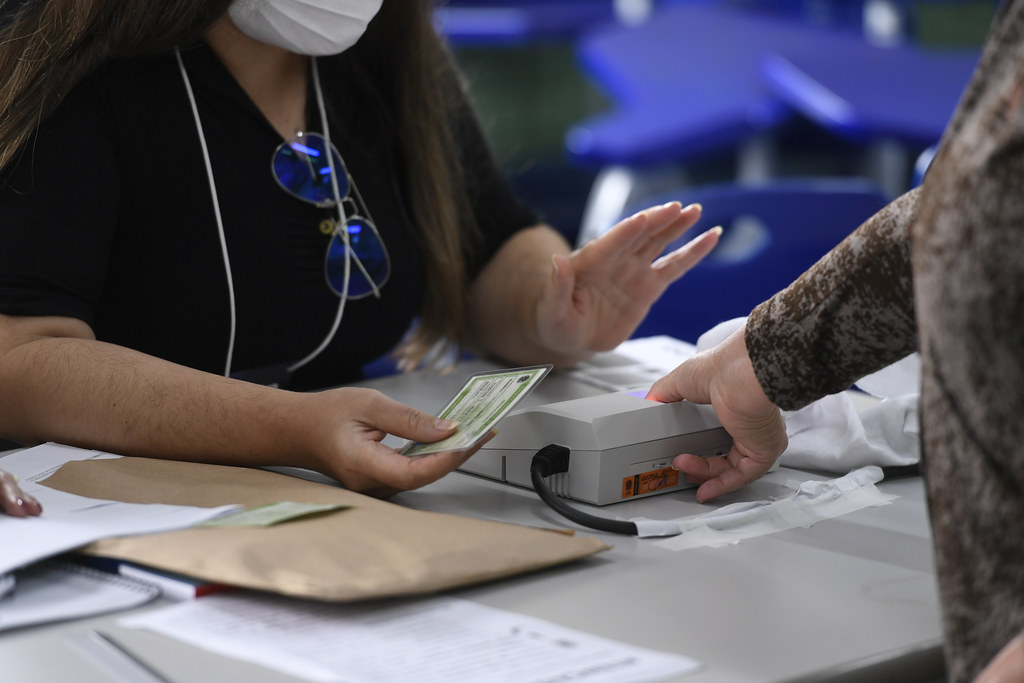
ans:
x=69 y=521
x=429 y=640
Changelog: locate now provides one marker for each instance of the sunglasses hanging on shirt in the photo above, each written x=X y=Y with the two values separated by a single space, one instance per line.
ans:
x=356 y=264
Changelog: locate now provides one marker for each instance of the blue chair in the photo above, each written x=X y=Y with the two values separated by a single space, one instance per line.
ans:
x=772 y=233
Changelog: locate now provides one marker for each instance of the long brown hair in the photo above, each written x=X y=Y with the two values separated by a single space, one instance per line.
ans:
x=411 y=69
x=48 y=46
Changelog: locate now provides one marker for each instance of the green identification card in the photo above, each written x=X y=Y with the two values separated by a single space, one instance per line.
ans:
x=479 y=405
x=273 y=513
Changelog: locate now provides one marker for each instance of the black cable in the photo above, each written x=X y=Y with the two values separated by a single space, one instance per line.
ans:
x=554 y=459
x=890 y=472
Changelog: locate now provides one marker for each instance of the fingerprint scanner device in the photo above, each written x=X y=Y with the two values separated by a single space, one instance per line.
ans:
x=621 y=445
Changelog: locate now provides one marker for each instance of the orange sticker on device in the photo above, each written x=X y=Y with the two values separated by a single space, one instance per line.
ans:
x=649 y=482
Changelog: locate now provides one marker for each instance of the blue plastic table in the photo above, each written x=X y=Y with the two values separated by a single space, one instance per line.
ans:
x=478 y=22
x=704 y=78
x=684 y=83
x=903 y=92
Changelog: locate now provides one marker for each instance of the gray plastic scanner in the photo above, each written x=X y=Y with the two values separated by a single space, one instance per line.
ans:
x=621 y=445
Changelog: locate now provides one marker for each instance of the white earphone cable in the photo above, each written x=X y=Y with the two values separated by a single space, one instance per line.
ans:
x=340 y=229
x=216 y=211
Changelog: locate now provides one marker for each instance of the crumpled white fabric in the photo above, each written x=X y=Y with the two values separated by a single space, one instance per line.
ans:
x=810 y=502
x=831 y=435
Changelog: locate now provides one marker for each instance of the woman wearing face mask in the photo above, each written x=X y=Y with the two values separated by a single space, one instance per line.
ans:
x=173 y=221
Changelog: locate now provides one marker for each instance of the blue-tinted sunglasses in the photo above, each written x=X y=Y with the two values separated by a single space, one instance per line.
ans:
x=356 y=264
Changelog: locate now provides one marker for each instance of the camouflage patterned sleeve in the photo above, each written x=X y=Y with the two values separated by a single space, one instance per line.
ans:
x=850 y=314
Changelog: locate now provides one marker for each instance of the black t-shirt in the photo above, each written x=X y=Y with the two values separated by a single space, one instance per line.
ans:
x=106 y=216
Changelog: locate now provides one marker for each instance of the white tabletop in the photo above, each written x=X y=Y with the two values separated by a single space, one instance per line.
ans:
x=850 y=598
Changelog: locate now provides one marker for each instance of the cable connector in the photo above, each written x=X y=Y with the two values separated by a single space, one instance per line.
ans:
x=554 y=459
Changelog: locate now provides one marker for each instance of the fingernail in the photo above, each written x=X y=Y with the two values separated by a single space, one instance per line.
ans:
x=694 y=205
x=717 y=230
x=445 y=425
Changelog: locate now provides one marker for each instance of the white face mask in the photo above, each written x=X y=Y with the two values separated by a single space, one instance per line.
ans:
x=306 y=27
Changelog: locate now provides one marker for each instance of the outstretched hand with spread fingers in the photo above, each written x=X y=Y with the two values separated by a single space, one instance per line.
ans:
x=597 y=295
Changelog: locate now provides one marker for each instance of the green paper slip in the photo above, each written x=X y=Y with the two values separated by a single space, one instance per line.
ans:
x=274 y=513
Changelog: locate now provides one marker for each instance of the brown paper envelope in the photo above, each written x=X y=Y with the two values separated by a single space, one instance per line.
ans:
x=375 y=549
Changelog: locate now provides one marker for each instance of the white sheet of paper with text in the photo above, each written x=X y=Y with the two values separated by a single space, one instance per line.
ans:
x=427 y=640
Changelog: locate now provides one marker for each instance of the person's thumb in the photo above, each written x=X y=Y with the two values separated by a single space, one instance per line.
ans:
x=409 y=423
x=689 y=380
